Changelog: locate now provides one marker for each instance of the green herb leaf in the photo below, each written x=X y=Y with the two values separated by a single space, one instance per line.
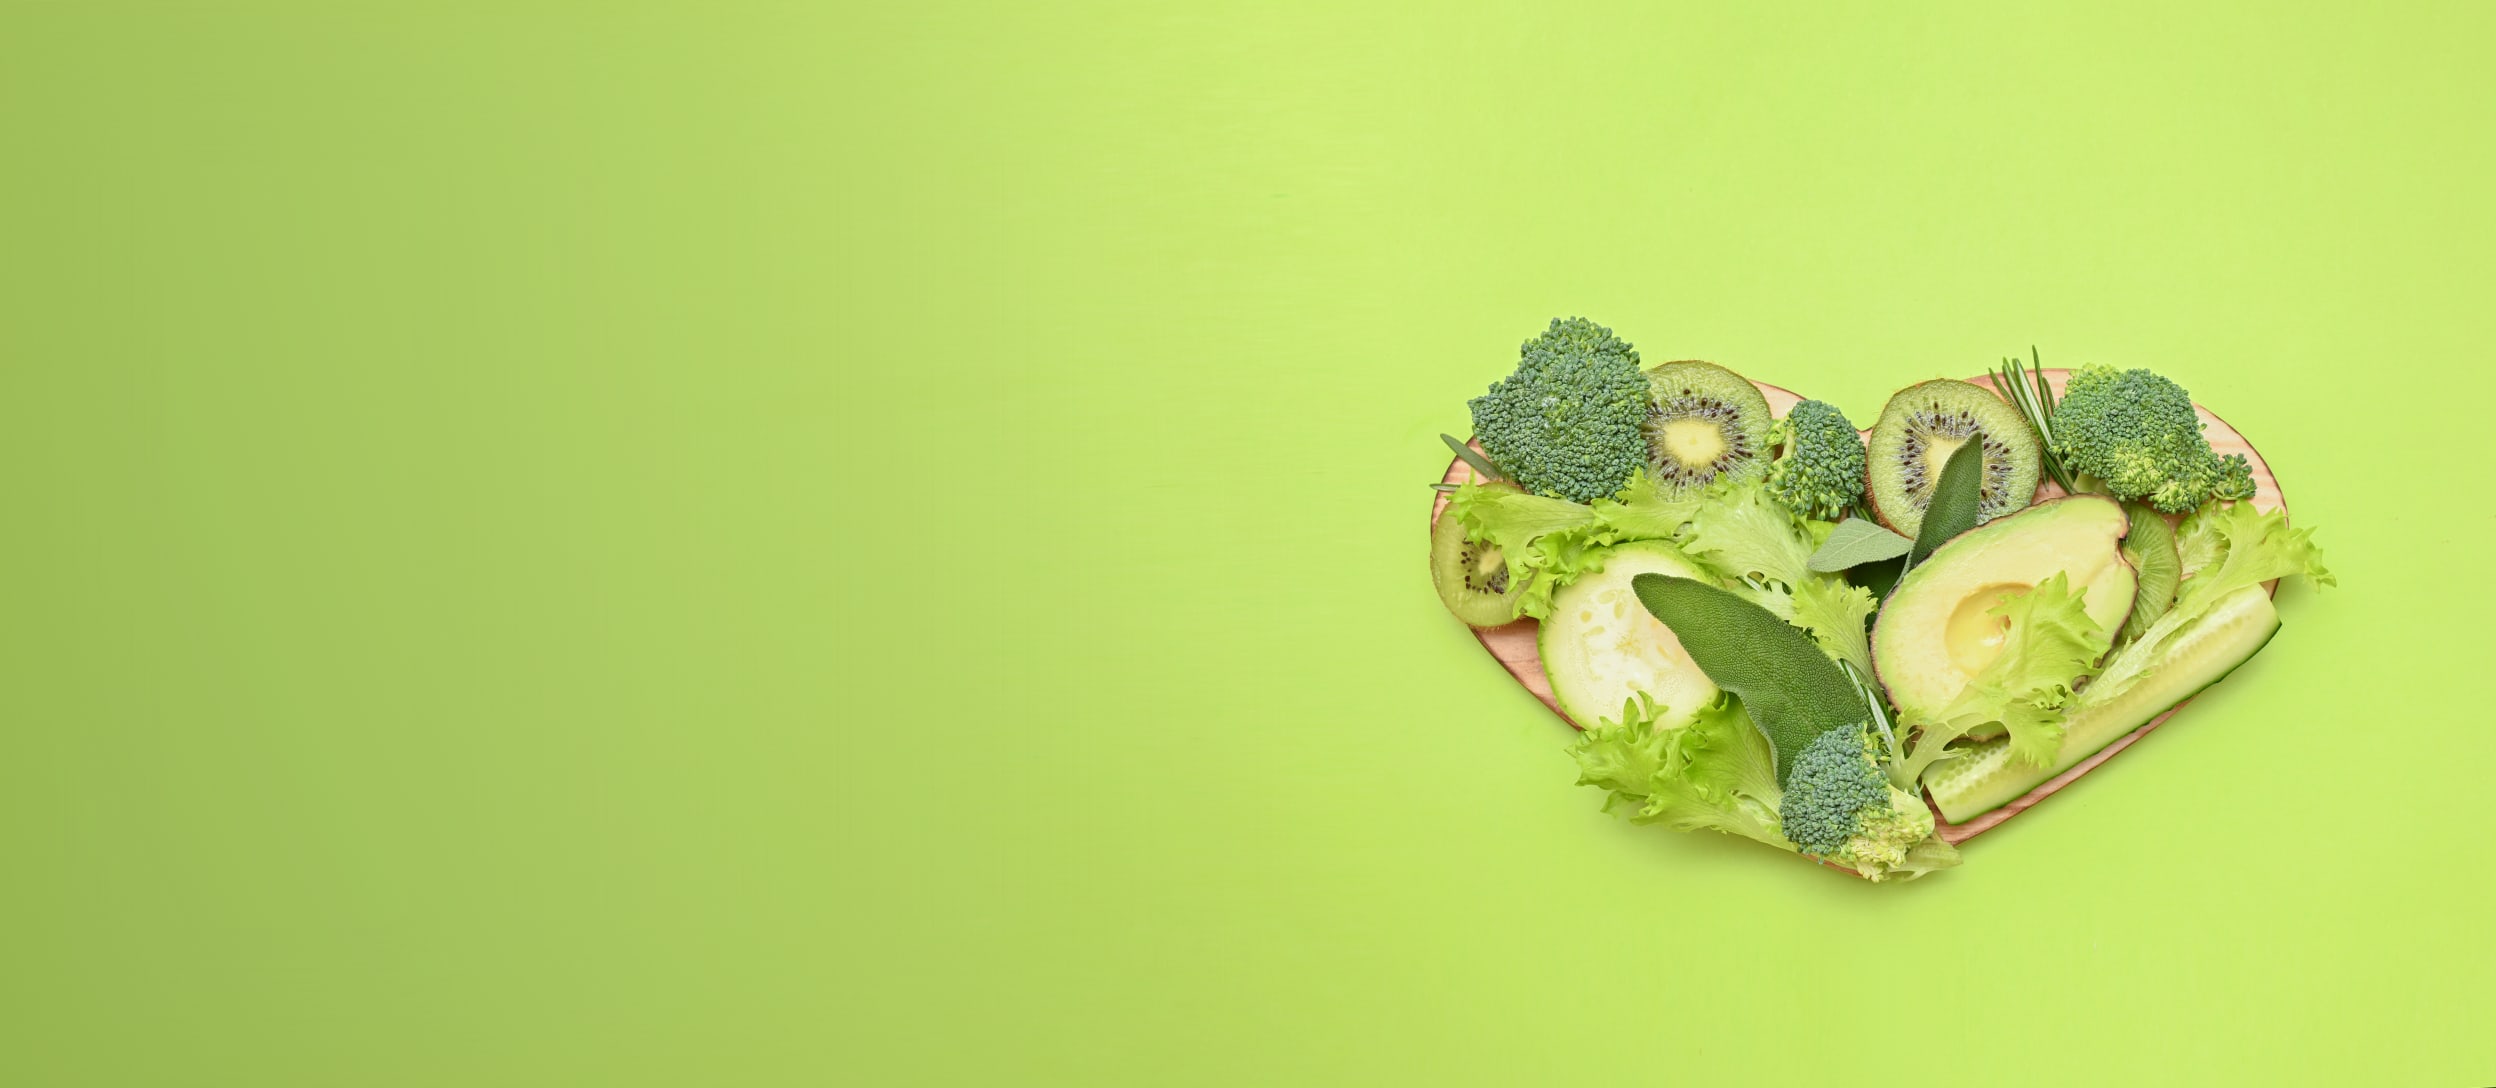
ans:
x=1792 y=690
x=1855 y=542
x=1955 y=500
x=1480 y=464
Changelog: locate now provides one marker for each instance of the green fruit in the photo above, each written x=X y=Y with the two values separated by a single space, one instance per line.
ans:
x=1600 y=646
x=2237 y=626
x=1920 y=427
x=1935 y=633
x=2150 y=548
x=1472 y=577
x=1709 y=424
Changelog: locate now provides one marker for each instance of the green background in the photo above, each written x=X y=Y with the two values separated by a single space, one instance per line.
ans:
x=774 y=543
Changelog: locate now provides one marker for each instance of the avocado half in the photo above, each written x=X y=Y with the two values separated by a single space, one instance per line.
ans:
x=1937 y=632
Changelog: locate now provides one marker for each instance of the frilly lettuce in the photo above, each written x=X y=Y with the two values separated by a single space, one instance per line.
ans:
x=2228 y=546
x=1646 y=511
x=1716 y=772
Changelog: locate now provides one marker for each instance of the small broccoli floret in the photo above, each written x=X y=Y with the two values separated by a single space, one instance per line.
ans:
x=1838 y=805
x=2135 y=432
x=1567 y=422
x=1820 y=473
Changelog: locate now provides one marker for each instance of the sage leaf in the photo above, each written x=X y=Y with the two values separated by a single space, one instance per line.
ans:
x=1793 y=691
x=1855 y=542
x=1956 y=499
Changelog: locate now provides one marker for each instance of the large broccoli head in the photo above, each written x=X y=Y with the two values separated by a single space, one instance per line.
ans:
x=1819 y=474
x=1567 y=422
x=1839 y=806
x=2136 y=432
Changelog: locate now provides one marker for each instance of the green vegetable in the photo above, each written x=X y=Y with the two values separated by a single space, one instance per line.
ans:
x=1600 y=647
x=1715 y=773
x=2136 y=433
x=1648 y=510
x=1745 y=534
x=1792 y=690
x=2029 y=392
x=2048 y=644
x=1857 y=541
x=1836 y=612
x=1470 y=457
x=1839 y=806
x=1958 y=501
x=1819 y=473
x=1568 y=422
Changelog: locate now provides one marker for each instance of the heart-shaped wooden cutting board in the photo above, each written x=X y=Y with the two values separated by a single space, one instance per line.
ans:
x=1512 y=645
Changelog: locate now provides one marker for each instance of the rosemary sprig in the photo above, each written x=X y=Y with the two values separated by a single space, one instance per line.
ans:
x=2027 y=390
x=1480 y=464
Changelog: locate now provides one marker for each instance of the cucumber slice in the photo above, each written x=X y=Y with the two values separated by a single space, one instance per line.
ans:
x=1600 y=646
x=2195 y=657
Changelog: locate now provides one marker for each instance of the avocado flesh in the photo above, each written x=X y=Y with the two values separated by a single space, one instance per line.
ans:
x=1936 y=633
x=1600 y=646
x=2237 y=627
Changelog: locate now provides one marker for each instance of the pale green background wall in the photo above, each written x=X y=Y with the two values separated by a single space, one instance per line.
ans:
x=761 y=544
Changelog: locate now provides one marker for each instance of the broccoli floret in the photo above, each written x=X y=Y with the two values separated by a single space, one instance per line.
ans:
x=1838 y=805
x=1567 y=422
x=1820 y=473
x=2135 y=432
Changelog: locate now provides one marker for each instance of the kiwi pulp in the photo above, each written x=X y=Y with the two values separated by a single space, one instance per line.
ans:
x=2150 y=548
x=1472 y=577
x=1918 y=430
x=1709 y=424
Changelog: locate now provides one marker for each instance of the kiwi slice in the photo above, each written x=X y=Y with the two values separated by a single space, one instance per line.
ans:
x=2150 y=548
x=1472 y=576
x=1709 y=424
x=1920 y=427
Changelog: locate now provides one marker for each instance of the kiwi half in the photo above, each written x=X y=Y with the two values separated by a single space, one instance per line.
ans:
x=1472 y=576
x=1918 y=430
x=2150 y=548
x=1709 y=424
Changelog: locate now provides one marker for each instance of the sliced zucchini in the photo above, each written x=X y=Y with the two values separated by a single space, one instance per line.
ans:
x=1601 y=647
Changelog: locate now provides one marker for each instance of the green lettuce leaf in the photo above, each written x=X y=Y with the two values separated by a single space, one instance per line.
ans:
x=1715 y=773
x=1834 y=611
x=2228 y=546
x=1646 y=512
x=1746 y=534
